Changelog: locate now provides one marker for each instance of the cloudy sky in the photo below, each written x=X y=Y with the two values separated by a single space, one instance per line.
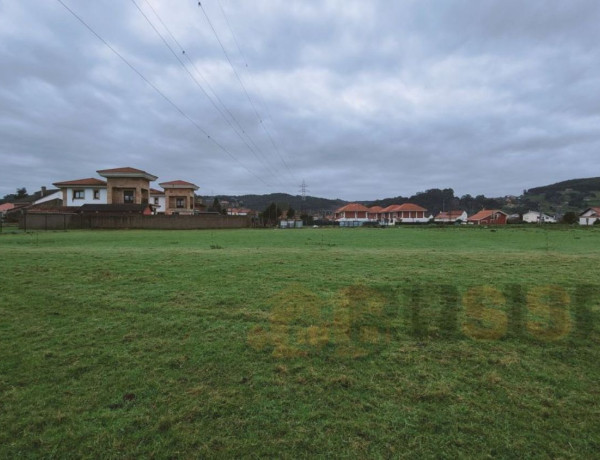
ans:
x=361 y=99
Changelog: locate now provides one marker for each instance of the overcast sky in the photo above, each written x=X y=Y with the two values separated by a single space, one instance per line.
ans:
x=361 y=99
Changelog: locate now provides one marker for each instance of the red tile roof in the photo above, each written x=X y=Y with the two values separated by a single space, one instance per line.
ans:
x=6 y=206
x=449 y=214
x=154 y=191
x=126 y=172
x=353 y=207
x=92 y=181
x=375 y=209
x=596 y=209
x=409 y=207
x=178 y=182
x=484 y=214
x=403 y=207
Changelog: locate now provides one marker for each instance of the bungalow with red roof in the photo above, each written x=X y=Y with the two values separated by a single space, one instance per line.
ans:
x=78 y=192
x=590 y=216
x=4 y=208
x=451 y=216
x=355 y=214
x=179 y=197
x=374 y=212
x=352 y=215
x=403 y=213
x=488 y=217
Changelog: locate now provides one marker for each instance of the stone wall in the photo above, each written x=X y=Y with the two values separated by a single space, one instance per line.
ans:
x=43 y=221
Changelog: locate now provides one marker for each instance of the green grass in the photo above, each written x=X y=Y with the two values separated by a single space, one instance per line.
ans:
x=296 y=343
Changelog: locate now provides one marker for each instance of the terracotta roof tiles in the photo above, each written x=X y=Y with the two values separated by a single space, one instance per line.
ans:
x=91 y=181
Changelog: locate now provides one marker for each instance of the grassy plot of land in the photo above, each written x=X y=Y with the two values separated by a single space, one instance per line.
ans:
x=413 y=342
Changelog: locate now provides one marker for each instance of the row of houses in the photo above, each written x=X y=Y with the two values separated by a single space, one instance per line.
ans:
x=356 y=214
x=129 y=186
x=121 y=190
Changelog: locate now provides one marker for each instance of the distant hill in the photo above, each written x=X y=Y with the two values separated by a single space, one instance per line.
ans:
x=590 y=184
x=569 y=195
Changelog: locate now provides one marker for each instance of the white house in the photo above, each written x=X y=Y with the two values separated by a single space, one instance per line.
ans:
x=158 y=200
x=352 y=215
x=536 y=217
x=403 y=213
x=589 y=216
x=83 y=191
x=451 y=216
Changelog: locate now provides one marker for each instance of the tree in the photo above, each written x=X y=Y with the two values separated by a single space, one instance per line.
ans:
x=22 y=192
x=291 y=213
x=570 y=218
x=216 y=206
x=307 y=219
x=271 y=214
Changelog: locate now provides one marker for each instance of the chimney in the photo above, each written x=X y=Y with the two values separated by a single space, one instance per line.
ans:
x=43 y=191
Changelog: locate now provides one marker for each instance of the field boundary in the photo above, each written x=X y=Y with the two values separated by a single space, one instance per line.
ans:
x=71 y=221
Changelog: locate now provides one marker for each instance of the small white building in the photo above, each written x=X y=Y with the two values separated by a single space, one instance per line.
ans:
x=451 y=217
x=290 y=223
x=589 y=216
x=82 y=191
x=158 y=201
x=536 y=217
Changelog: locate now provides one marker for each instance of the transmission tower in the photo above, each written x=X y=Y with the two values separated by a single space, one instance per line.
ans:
x=303 y=191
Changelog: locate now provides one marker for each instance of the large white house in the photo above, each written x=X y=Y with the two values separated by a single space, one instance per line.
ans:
x=589 y=216
x=82 y=191
x=536 y=217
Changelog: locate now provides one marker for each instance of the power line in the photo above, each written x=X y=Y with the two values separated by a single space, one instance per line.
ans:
x=245 y=90
x=183 y=52
x=155 y=88
x=266 y=107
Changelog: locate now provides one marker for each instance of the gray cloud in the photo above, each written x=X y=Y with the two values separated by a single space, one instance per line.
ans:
x=360 y=99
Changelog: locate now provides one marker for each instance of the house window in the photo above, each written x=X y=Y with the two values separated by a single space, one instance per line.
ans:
x=78 y=194
x=179 y=202
x=156 y=201
x=128 y=196
x=96 y=194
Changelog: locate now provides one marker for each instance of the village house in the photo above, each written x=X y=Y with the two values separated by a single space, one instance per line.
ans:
x=78 y=192
x=407 y=213
x=179 y=197
x=4 y=208
x=488 y=217
x=590 y=216
x=127 y=185
x=158 y=201
x=374 y=212
x=352 y=215
x=356 y=214
x=536 y=217
x=451 y=217
x=239 y=212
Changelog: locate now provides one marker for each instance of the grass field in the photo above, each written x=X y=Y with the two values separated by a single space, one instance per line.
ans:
x=401 y=342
